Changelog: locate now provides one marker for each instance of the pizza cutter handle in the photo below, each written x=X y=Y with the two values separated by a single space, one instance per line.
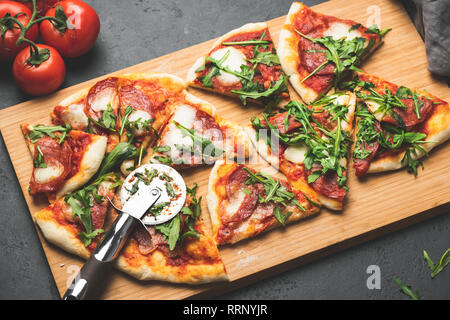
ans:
x=89 y=281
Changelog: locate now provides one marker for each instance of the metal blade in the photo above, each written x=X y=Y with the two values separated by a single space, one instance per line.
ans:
x=135 y=193
x=141 y=202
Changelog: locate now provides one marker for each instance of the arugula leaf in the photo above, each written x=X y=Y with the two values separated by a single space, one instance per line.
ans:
x=437 y=268
x=282 y=218
x=265 y=57
x=325 y=148
x=81 y=202
x=406 y=289
x=170 y=190
x=344 y=54
x=122 y=151
x=172 y=229
x=162 y=149
x=40 y=131
x=164 y=159
x=108 y=118
x=250 y=88
x=86 y=238
x=127 y=112
x=200 y=142
x=275 y=191
x=157 y=208
x=374 y=29
x=256 y=94
x=39 y=162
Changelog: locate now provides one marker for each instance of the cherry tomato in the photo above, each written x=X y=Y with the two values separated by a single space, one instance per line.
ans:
x=82 y=28
x=40 y=79
x=8 y=48
x=42 y=6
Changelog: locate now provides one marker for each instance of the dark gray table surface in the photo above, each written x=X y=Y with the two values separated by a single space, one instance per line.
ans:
x=136 y=31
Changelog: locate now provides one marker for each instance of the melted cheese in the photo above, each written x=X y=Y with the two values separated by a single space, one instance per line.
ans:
x=102 y=99
x=297 y=153
x=75 y=116
x=185 y=116
x=44 y=175
x=373 y=107
x=234 y=61
x=338 y=30
x=234 y=204
x=136 y=115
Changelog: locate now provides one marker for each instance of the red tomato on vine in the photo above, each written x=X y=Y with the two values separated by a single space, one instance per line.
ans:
x=40 y=73
x=42 y=6
x=9 y=30
x=77 y=34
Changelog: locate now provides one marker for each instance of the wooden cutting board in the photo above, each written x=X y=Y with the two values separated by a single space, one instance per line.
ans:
x=376 y=205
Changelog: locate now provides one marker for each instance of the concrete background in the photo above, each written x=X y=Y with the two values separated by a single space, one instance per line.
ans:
x=136 y=31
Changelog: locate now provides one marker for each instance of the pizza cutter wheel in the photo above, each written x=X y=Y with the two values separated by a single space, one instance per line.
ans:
x=148 y=187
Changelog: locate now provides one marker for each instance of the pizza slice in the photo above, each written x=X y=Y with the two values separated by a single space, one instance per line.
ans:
x=75 y=223
x=243 y=202
x=396 y=125
x=144 y=103
x=243 y=63
x=127 y=108
x=94 y=109
x=63 y=159
x=310 y=145
x=179 y=250
x=317 y=50
x=195 y=135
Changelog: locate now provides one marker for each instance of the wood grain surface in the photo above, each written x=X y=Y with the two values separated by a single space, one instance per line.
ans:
x=376 y=205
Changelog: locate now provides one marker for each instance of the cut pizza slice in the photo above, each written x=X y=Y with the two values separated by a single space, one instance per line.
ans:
x=63 y=159
x=243 y=203
x=243 y=63
x=395 y=125
x=127 y=108
x=94 y=110
x=144 y=102
x=75 y=223
x=310 y=145
x=317 y=50
x=179 y=250
x=195 y=135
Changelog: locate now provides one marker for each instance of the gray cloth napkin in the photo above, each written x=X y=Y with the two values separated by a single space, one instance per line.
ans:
x=432 y=20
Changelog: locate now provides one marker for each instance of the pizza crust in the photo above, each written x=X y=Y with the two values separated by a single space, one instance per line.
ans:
x=154 y=266
x=91 y=161
x=60 y=235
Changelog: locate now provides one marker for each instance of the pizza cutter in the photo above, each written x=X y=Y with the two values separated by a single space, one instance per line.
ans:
x=148 y=187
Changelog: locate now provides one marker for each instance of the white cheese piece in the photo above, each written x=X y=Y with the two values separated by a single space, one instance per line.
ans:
x=136 y=115
x=339 y=30
x=127 y=166
x=373 y=107
x=44 y=175
x=234 y=61
x=234 y=204
x=296 y=153
x=75 y=116
x=103 y=98
x=185 y=115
